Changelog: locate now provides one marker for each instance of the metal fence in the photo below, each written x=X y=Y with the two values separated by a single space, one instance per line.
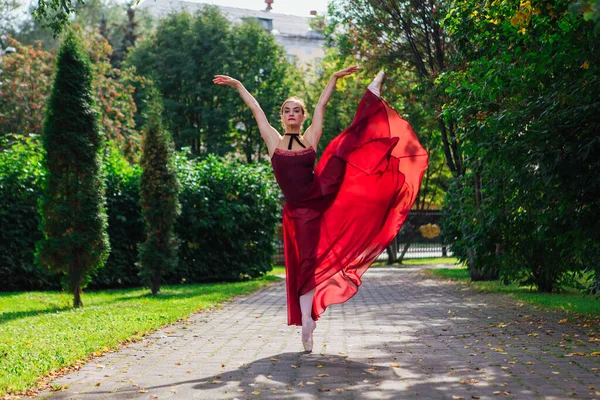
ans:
x=421 y=230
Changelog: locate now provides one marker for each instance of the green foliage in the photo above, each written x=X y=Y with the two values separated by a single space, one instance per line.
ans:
x=229 y=216
x=182 y=57
x=525 y=105
x=73 y=222
x=159 y=192
x=41 y=333
x=26 y=85
x=21 y=175
x=260 y=64
x=55 y=13
x=125 y=223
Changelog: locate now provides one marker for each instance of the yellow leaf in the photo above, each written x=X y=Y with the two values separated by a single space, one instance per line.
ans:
x=562 y=321
x=596 y=353
x=395 y=365
x=585 y=65
x=256 y=393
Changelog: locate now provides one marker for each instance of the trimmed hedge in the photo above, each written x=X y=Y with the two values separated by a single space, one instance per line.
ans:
x=226 y=227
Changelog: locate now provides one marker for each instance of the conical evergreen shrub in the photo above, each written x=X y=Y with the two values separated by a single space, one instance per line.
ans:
x=72 y=208
x=159 y=197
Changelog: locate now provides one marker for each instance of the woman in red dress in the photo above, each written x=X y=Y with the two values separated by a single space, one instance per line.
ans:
x=342 y=213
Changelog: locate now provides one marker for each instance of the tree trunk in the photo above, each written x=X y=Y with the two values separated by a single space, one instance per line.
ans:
x=77 y=296
x=155 y=282
x=392 y=251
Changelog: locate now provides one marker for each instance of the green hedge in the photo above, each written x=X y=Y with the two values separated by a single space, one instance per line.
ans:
x=226 y=227
x=228 y=219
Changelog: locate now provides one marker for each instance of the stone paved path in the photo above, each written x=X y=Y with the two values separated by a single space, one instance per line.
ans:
x=403 y=336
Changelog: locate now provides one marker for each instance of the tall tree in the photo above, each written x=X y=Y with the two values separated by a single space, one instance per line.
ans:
x=159 y=197
x=73 y=205
x=261 y=64
x=182 y=57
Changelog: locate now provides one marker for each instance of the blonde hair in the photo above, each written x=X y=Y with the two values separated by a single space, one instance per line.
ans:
x=297 y=100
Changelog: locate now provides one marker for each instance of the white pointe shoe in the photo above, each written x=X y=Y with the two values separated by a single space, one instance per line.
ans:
x=377 y=83
x=308 y=326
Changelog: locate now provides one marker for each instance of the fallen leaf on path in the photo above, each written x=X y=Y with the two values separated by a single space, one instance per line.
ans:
x=324 y=390
x=458 y=397
x=99 y=383
x=256 y=393
x=339 y=390
x=395 y=365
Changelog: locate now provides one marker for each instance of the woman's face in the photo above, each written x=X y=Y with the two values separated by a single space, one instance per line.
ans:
x=293 y=115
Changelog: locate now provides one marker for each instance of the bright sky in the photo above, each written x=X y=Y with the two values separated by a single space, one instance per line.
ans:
x=294 y=7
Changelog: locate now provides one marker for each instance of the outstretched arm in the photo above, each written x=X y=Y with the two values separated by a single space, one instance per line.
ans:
x=268 y=133
x=315 y=130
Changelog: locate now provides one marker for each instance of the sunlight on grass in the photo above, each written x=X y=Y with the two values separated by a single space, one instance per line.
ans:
x=41 y=332
x=569 y=300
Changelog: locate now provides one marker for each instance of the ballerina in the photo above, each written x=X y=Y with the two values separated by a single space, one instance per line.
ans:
x=342 y=213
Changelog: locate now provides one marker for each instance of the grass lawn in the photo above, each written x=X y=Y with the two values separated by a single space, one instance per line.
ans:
x=569 y=300
x=40 y=332
x=280 y=270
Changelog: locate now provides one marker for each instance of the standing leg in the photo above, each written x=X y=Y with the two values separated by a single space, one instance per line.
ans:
x=308 y=325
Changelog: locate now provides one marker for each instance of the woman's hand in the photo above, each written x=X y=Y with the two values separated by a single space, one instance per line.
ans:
x=226 y=80
x=347 y=71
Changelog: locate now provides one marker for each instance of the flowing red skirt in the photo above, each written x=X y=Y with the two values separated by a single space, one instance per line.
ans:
x=364 y=186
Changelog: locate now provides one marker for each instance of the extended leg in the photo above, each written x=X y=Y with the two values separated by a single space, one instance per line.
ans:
x=377 y=83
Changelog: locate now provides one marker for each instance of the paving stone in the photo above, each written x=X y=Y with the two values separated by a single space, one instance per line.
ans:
x=404 y=335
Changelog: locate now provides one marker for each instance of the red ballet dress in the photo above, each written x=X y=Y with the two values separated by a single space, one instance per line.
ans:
x=342 y=213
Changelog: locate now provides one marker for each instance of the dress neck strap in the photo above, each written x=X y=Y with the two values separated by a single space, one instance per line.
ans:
x=294 y=136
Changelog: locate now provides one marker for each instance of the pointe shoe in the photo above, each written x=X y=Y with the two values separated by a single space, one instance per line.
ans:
x=308 y=327
x=377 y=83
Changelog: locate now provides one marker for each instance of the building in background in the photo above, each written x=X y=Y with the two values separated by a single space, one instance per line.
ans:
x=302 y=44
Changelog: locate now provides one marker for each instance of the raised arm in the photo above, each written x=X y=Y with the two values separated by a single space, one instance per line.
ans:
x=315 y=130
x=268 y=133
